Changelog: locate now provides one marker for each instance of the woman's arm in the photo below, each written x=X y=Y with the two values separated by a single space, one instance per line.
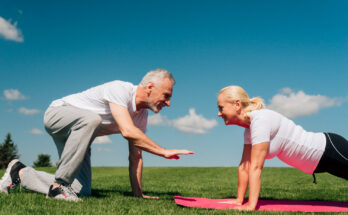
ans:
x=243 y=173
x=243 y=176
x=258 y=155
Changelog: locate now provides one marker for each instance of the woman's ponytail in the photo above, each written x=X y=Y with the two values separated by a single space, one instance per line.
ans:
x=256 y=103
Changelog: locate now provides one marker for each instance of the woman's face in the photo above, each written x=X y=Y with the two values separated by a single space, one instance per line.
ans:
x=228 y=111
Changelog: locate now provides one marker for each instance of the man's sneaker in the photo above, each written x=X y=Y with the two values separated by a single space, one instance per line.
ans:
x=64 y=192
x=11 y=176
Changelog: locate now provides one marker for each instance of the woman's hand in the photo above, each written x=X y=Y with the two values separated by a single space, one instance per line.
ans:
x=233 y=202
x=245 y=208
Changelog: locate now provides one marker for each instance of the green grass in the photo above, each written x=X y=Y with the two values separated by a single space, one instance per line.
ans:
x=111 y=192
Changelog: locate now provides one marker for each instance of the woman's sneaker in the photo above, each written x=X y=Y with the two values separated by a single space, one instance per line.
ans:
x=64 y=192
x=11 y=176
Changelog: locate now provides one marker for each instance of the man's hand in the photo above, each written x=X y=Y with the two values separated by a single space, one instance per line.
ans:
x=149 y=197
x=174 y=153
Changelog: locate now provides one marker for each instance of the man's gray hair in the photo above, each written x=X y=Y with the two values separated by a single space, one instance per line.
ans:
x=156 y=76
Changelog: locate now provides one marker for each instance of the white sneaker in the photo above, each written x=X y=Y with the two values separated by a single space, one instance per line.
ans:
x=11 y=178
x=64 y=192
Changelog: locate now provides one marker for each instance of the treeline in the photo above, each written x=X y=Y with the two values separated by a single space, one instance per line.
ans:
x=9 y=151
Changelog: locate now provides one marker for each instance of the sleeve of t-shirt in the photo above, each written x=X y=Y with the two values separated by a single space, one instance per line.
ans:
x=260 y=129
x=117 y=93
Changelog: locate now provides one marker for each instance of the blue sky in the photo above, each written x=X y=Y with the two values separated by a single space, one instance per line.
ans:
x=288 y=52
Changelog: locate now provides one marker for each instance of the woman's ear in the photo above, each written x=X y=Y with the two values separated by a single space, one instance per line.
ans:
x=238 y=103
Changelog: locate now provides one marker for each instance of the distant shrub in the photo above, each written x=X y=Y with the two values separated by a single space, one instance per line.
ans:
x=43 y=160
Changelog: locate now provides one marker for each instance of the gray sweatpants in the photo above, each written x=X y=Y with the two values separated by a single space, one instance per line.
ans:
x=73 y=130
x=40 y=181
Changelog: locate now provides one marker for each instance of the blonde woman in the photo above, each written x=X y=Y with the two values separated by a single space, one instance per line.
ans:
x=269 y=134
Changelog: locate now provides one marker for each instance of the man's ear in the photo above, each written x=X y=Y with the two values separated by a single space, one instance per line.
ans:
x=150 y=84
x=149 y=87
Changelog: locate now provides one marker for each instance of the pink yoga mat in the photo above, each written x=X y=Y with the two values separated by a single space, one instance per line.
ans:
x=266 y=205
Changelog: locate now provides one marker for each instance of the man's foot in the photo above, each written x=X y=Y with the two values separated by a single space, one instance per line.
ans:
x=11 y=176
x=64 y=192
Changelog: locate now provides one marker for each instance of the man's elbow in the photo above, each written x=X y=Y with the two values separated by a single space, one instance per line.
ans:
x=128 y=133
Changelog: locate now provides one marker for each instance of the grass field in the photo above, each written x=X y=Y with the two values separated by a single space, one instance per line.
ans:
x=111 y=192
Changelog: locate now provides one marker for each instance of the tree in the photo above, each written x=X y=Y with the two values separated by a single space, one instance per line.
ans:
x=8 y=151
x=43 y=160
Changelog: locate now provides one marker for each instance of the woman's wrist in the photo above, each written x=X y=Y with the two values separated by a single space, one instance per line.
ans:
x=240 y=200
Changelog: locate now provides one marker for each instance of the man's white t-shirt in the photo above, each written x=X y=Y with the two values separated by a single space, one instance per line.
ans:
x=96 y=99
x=288 y=141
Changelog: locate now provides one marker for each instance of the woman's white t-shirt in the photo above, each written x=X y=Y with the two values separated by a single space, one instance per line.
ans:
x=288 y=141
x=96 y=99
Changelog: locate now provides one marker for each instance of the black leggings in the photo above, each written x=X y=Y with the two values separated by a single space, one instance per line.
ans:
x=335 y=157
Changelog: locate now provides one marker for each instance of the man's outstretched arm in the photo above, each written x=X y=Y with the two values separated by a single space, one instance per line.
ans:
x=137 y=137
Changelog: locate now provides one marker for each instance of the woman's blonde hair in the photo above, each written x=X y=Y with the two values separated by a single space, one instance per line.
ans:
x=233 y=93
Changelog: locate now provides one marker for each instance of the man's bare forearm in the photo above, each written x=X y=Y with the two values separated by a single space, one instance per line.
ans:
x=140 y=140
x=137 y=137
x=135 y=170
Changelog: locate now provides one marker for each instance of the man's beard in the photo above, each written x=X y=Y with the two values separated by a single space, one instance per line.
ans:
x=153 y=107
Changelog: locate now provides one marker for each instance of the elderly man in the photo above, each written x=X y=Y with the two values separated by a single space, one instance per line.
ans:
x=75 y=120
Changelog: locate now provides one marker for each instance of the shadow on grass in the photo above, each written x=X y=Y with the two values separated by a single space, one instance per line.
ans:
x=104 y=193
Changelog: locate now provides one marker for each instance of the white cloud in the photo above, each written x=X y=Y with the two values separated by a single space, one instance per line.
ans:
x=157 y=119
x=191 y=123
x=102 y=140
x=296 y=104
x=36 y=131
x=194 y=123
x=10 y=31
x=26 y=111
x=13 y=94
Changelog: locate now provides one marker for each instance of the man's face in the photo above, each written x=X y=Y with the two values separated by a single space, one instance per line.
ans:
x=160 y=95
